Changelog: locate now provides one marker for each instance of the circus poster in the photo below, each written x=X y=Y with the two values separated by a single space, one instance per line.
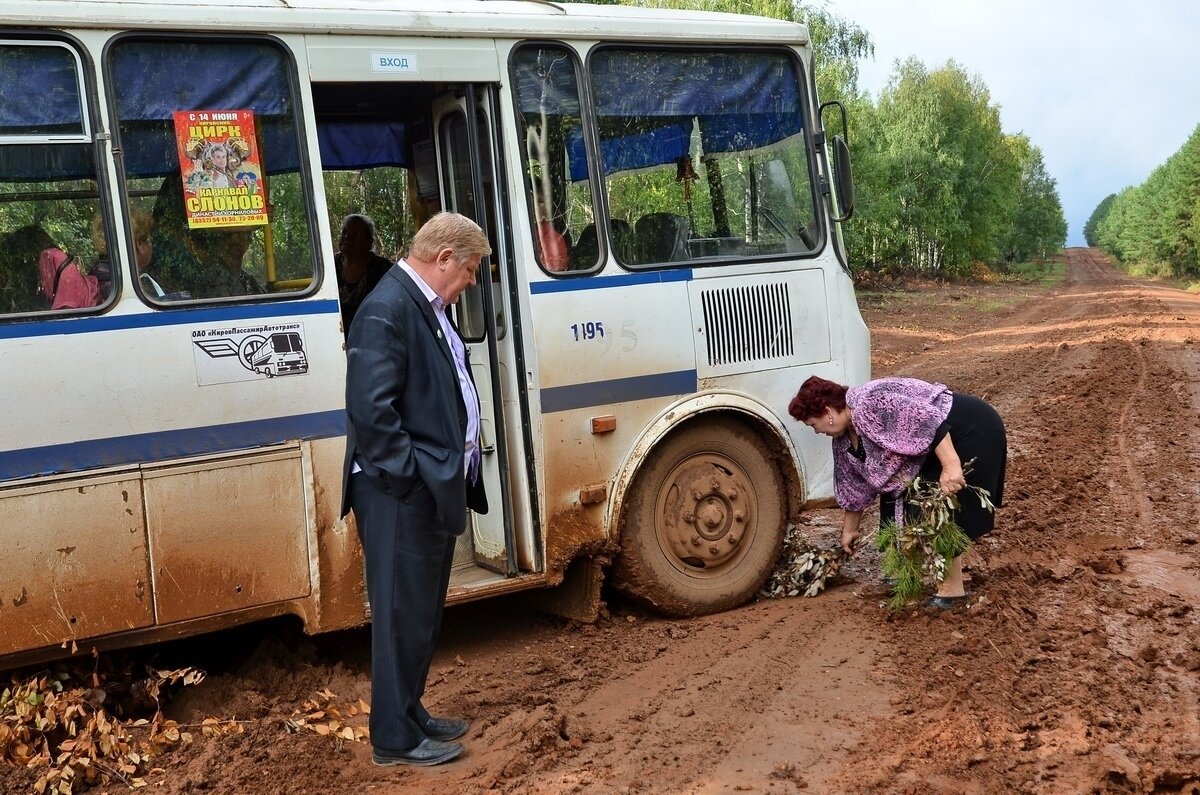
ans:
x=221 y=169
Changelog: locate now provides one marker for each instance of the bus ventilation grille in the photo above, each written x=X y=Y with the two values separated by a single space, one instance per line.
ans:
x=747 y=324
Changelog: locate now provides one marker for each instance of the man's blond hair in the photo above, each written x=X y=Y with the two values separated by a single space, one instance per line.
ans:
x=449 y=230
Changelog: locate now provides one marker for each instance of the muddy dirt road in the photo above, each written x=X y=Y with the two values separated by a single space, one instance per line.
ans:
x=1077 y=670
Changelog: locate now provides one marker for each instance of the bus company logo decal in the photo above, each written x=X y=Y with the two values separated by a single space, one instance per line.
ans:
x=247 y=353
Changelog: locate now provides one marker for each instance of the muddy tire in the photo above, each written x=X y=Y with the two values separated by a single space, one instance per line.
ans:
x=704 y=520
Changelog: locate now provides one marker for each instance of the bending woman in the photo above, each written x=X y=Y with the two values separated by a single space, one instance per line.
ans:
x=888 y=431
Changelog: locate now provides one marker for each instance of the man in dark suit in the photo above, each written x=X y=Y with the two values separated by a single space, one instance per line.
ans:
x=412 y=470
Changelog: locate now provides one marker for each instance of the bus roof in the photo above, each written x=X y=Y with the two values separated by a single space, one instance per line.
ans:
x=455 y=18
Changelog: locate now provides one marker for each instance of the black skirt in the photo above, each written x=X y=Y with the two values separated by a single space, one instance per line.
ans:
x=977 y=432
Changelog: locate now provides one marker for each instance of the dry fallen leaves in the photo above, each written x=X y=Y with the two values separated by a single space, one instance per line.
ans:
x=321 y=715
x=79 y=727
x=62 y=721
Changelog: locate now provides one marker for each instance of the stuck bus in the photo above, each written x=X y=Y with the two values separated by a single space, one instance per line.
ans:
x=663 y=205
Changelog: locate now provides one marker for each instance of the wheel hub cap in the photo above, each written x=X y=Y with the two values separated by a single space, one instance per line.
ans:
x=705 y=514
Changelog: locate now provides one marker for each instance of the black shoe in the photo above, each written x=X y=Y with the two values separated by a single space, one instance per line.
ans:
x=445 y=729
x=428 y=752
x=946 y=602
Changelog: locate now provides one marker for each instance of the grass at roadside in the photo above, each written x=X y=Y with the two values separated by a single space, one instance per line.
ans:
x=985 y=292
x=1048 y=273
x=1158 y=272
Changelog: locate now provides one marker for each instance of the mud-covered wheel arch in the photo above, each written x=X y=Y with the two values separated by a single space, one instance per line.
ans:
x=704 y=518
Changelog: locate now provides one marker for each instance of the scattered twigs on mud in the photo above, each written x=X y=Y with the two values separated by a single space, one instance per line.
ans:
x=802 y=570
x=921 y=548
x=1008 y=659
x=78 y=726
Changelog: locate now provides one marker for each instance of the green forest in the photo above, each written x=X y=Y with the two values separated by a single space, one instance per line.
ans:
x=939 y=185
x=1155 y=227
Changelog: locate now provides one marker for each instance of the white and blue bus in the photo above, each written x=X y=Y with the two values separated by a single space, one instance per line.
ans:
x=664 y=209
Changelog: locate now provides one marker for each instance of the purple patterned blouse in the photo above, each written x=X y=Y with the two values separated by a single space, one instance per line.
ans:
x=896 y=419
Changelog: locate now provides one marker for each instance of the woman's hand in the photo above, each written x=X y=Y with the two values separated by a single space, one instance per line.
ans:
x=850 y=533
x=952 y=480
x=849 y=539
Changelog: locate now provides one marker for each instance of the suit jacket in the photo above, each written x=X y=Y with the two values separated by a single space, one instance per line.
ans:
x=406 y=417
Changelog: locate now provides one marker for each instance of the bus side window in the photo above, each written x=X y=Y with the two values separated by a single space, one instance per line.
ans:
x=557 y=177
x=212 y=154
x=48 y=187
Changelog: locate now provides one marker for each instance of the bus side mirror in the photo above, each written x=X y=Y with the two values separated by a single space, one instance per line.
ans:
x=843 y=179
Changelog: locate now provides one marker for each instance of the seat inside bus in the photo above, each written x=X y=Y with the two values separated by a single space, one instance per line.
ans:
x=587 y=249
x=661 y=237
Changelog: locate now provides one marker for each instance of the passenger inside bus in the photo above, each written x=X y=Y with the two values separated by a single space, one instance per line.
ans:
x=63 y=282
x=200 y=262
x=20 y=290
x=357 y=265
x=140 y=225
x=37 y=275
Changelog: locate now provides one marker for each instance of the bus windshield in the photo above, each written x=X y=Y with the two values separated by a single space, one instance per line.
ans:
x=683 y=139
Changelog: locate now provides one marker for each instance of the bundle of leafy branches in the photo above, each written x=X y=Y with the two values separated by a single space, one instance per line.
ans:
x=800 y=569
x=921 y=548
x=77 y=727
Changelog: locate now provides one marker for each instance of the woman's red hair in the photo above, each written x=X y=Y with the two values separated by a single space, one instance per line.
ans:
x=816 y=395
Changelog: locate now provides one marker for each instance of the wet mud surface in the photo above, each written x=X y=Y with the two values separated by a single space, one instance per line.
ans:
x=1076 y=668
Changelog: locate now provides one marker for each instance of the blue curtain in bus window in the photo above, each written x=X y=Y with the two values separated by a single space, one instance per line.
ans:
x=153 y=79
x=44 y=99
x=647 y=102
x=362 y=144
x=43 y=95
x=663 y=144
x=41 y=163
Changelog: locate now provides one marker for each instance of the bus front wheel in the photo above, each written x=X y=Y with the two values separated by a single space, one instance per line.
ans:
x=704 y=520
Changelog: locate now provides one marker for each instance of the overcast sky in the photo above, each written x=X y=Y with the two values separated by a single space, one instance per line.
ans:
x=1107 y=90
